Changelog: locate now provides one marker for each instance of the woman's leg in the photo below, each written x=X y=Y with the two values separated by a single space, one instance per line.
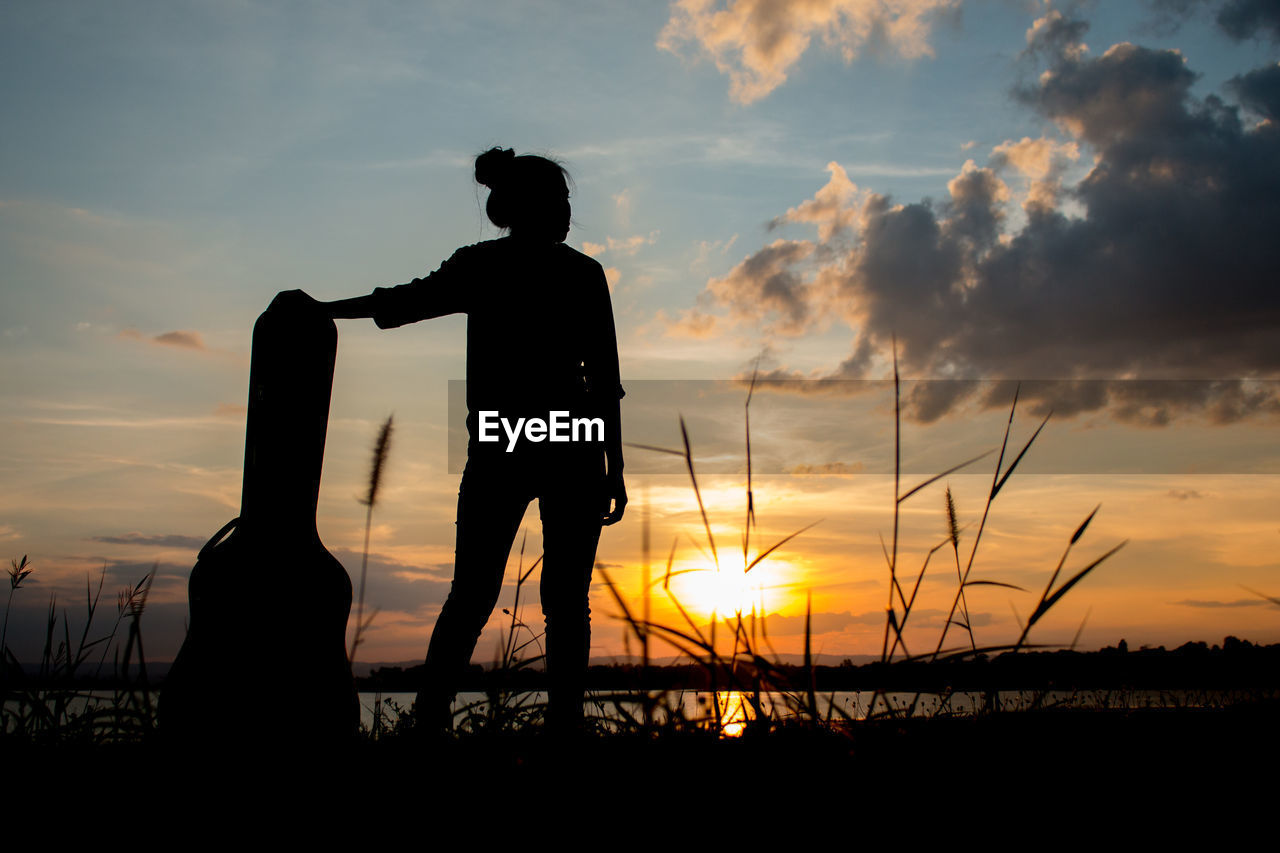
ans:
x=491 y=505
x=570 y=533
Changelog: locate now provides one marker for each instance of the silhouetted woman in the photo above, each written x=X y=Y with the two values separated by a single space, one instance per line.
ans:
x=540 y=339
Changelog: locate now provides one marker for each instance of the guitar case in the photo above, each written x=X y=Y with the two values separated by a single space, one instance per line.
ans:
x=264 y=661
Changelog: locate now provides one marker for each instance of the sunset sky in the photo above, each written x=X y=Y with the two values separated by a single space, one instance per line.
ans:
x=1013 y=189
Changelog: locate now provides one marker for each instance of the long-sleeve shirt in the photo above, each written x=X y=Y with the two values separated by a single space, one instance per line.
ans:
x=540 y=330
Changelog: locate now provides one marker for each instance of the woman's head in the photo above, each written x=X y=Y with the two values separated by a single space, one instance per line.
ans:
x=527 y=194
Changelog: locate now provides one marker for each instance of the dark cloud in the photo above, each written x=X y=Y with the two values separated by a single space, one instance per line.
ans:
x=1244 y=19
x=1259 y=90
x=1138 y=402
x=1168 y=273
x=394 y=585
x=1152 y=403
x=768 y=283
x=926 y=402
x=133 y=571
x=166 y=540
x=1240 y=19
x=974 y=214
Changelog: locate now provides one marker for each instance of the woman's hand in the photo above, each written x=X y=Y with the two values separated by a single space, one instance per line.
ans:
x=615 y=494
x=295 y=300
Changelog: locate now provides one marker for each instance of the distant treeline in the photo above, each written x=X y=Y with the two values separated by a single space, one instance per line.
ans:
x=1236 y=664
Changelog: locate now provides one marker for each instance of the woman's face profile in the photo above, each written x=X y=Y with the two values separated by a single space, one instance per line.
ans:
x=566 y=211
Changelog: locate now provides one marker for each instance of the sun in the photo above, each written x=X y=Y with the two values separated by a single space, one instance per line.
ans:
x=724 y=590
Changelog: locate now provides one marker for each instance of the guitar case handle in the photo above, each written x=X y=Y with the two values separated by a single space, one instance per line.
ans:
x=217 y=537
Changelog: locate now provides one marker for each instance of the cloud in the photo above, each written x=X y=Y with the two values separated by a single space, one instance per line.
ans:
x=831 y=208
x=820 y=623
x=768 y=284
x=1042 y=161
x=1259 y=90
x=1056 y=35
x=1244 y=19
x=1240 y=19
x=1184 y=494
x=828 y=468
x=707 y=247
x=189 y=340
x=133 y=571
x=1239 y=602
x=1165 y=273
x=394 y=583
x=167 y=540
x=691 y=323
x=757 y=42
x=626 y=246
x=182 y=339
x=622 y=206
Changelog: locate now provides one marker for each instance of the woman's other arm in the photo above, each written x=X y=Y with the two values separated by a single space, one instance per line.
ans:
x=615 y=498
x=606 y=386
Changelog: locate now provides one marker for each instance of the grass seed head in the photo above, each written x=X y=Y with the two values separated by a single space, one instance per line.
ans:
x=380 y=450
x=18 y=572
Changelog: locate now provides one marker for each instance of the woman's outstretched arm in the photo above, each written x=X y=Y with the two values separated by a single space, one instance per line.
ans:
x=441 y=292
x=350 y=309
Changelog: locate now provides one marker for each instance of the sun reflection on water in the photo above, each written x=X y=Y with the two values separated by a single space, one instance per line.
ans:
x=735 y=711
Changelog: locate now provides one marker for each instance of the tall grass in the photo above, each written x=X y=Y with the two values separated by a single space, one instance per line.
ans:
x=765 y=672
x=72 y=696
x=381 y=449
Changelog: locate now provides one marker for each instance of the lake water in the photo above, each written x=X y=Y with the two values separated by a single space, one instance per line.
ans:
x=734 y=709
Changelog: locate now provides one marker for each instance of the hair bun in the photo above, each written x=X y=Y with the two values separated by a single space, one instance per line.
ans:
x=493 y=166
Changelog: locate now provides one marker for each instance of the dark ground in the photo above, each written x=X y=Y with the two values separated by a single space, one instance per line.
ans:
x=1178 y=764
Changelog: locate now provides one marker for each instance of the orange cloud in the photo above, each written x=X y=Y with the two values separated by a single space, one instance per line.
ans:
x=832 y=208
x=230 y=410
x=1041 y=161
x=626 y=246
x=755 y=42
x=178 y=338
x=691 y=323
x=190 y=340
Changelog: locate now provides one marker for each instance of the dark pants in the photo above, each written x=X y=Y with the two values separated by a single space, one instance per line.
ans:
x=492 y=500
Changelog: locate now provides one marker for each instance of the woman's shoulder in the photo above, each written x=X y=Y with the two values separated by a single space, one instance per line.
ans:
x=581 y=260
x=506 y=251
